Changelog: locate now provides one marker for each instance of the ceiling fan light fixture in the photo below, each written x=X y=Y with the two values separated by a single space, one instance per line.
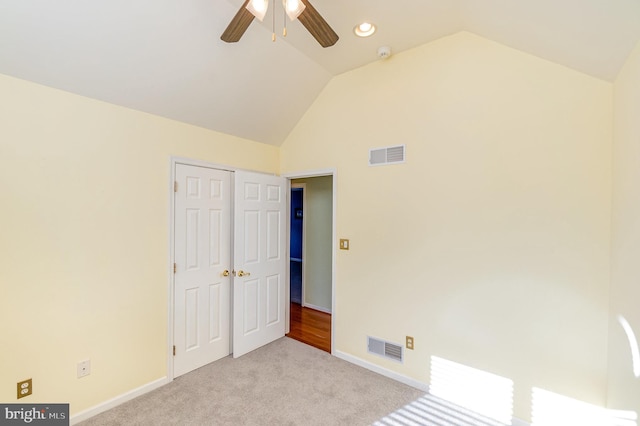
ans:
x=293 y=8
x=258 y=8
x=305 y=13
x=364 y=29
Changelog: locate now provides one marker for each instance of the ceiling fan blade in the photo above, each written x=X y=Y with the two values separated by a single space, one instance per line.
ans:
x=238 y=25
x=317 y=26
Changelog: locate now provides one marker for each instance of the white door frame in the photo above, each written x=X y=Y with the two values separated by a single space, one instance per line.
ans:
x=170 y=276
x=312 y=174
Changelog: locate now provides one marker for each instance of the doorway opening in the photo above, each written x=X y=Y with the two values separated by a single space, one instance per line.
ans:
x=311 y=260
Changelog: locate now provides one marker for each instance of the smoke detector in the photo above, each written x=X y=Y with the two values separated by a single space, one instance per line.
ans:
x=384 y=52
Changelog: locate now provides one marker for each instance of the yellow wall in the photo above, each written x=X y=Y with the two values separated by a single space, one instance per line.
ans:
x=624 y=387
x=84 y=242
x=491 y=244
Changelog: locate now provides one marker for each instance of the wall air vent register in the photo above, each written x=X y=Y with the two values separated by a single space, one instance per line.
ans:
x=387 y=155
x=385 y=349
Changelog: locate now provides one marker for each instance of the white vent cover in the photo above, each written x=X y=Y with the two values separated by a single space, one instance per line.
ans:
x=385 y=349
x=388 y=155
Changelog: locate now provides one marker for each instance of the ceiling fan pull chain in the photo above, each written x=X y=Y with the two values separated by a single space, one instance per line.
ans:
x=284 y=19
x=273 y=24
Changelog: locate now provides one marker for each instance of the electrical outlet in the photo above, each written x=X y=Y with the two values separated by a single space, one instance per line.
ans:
x=25 y=388
x=409 y=342
x=84 y=368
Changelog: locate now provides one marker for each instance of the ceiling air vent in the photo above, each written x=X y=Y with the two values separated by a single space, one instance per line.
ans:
x=385 y=349
x=388 y=155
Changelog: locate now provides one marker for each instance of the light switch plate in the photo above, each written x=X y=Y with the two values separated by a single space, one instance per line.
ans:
x=344 y=244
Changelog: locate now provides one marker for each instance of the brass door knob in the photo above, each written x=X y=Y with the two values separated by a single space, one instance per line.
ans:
x=225 y=273
x=242 y=273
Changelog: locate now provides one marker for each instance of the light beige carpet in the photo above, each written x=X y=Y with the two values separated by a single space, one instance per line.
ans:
x=283 y=383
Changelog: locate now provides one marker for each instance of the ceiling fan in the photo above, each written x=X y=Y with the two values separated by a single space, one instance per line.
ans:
x=295 y=9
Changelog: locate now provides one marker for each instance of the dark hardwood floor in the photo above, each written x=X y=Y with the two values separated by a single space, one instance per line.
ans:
x=311 y=327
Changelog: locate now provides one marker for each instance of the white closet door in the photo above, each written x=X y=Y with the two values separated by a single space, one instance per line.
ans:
x=259 y=260
x=202 y=297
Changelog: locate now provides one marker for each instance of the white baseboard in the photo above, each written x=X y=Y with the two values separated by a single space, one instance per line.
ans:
x=382 y=371
x=317 y=308
x=134 y=393
x=114 y=402
x=399 y=377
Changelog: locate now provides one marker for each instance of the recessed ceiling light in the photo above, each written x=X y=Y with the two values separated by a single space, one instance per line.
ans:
x=365 y=29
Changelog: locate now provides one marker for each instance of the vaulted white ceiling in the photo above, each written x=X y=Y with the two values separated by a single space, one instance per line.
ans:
x=165 y=57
